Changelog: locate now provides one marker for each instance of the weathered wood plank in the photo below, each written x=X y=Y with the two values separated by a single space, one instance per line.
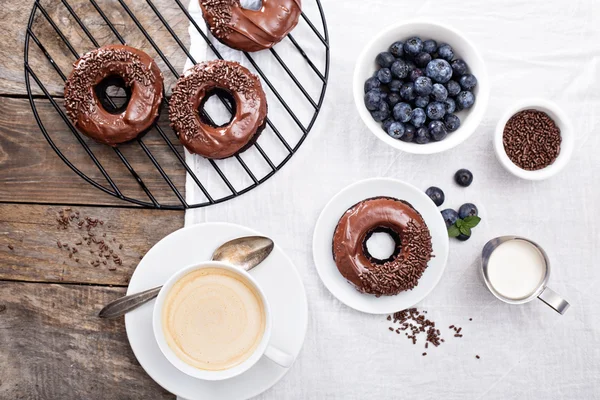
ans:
x=55 y=347
x=29 y=236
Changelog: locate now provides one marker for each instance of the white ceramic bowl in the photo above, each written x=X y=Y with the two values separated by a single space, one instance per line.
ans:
x=463 y=49
x=566 y=132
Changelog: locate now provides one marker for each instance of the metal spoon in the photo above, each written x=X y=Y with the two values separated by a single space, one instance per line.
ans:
x=245 y=253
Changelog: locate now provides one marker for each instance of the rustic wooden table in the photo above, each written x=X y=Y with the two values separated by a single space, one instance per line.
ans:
x=52 y=344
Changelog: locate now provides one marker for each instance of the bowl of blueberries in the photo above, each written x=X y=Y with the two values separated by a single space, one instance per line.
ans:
x=421 y=87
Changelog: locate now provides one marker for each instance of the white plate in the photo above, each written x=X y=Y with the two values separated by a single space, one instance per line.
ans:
x=276 y=275
x=323 y=236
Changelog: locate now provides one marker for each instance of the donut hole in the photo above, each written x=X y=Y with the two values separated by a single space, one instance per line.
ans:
x=382 y=245
x=113 y=94
x=212 y=106
x=253 y=5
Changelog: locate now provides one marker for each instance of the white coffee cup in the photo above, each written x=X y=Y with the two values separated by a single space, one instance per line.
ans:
x=280 y=357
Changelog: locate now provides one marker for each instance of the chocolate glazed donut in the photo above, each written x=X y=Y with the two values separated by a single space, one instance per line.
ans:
x=250 y=30
x=403 y=269
x=97 y=70
x=245 y=93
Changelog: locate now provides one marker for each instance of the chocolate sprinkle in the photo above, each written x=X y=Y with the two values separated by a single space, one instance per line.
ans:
x=219 y=13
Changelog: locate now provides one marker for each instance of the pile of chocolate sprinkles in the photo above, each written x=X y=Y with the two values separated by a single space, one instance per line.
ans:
x=531 y=139
x=227 y=74
x=402 y=273
x=79 y=97
x=219 y=13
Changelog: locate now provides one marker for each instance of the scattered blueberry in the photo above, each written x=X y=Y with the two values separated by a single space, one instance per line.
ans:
x=421 y=101
x=423 y=86
x=452 y=122
x=397 y=49
x=385 y=59
x=465 y=100
x=439 y=93
x=399 y=69
x=418 y=117
x=468 y=82
x=373 y=99
x=386 y=124
x=450 y=216
x=437 y=130
x=407 y=91
x=413 y=46
x=436 y=195
x=422 y=136
x=450 y=105
x=422 y=59
x=459 y=68
x=467 y=210
x=409 y=133
x=396 y=130
x=439 y=70
x=393 y=99
x=395 y=85
x=463 y=177
x=429 y=46
x=435 y=110
x=382 y=113
x=462 y=237
x=445 y=51
x=415 y=73
x=402 y=112
x=372 y=83
x=384 y=75
x=453 y=88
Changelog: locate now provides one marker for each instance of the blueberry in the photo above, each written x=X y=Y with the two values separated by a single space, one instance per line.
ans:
x=450 y=105
x=462 y=237
x=468 y=82
x=423 y=136
x=437 y=130
x=385 y=59
x=435 y=110
x=439 y=92
x=396 y=130
x=399 y=69
x=384 y=95
x=393 y=99
x=423 y=86
x=418 y=117
x=436 y=195
x=409 y=133
x=429 y=46
x=382 y=113
x=411 y=66
x=450 y=216
x=421 y=101
x=422 y=59
x=445 y=51
x=384 y=75
x=415 y=73
x=439 y=70
x=402 y=112
x=372 y=99
x=386 y=124
x=467 y=210
x=463 y=177
x=459 y=67
x=413 y=46
x=452 y=122
x=397 y=49
x=372 y=83
x=395 y=85
x=407 y=91
x=465 y=100
x=453 y=88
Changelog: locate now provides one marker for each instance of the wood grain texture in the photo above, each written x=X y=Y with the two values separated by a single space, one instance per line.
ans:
x=29 y=236
x=53 y=346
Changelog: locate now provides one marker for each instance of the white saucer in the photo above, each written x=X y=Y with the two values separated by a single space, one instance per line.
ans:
x=322 y=245
x=276 y=275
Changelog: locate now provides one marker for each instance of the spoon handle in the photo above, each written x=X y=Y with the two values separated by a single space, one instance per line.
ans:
x=125 y=304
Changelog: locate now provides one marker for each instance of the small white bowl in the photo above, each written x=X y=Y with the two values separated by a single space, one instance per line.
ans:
x=463 y=49
x=566 y=133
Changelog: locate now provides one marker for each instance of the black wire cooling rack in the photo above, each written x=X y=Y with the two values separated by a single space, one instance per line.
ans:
x=80 y=14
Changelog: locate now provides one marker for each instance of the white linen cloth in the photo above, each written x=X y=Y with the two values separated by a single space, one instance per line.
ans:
x=545 y=48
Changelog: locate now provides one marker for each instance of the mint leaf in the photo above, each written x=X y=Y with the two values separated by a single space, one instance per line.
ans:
x=465 y=230
x=459 y=222
x=453 y=231
x=471 y=221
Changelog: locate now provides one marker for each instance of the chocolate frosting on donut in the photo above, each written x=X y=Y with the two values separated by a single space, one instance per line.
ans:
x=251 y=30
x=139 y=72
x=404 y=269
